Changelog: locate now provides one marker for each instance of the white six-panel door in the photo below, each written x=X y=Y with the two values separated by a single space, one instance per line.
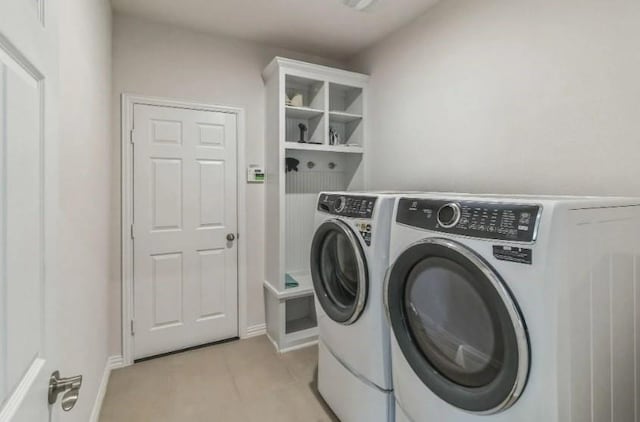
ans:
x=28 y=79
x=184 y=212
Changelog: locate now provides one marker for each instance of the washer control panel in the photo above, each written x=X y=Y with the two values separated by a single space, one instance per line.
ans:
x=485 y=220
x=347 y=205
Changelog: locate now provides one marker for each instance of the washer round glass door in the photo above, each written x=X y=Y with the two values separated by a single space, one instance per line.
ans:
x=458 y=326
x=338 y=270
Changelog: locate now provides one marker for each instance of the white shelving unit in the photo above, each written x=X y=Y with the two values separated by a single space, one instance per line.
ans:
x=324 y=98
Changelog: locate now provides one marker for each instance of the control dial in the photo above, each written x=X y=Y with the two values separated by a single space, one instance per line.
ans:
x=339 y=204
x=449 y=215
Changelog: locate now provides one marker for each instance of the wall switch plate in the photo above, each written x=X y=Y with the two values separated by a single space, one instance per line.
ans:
x=255 y=174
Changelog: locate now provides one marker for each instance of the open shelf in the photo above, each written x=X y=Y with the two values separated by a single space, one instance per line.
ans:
x=303 y=113
x=300 y=314
x=343 y=98
x=310 y=91
x=314 y=123
x=354 y=149
x=348 y=127
x=342 y=117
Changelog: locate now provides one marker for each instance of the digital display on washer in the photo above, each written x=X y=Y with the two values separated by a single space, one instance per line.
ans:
x=347 y=206
x=486 y=220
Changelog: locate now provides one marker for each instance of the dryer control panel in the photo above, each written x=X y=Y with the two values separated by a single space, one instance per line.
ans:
x=347 y=205
x=485 y=220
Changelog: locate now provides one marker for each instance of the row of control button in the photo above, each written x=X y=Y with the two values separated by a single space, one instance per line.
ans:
x=353 y=206
x=347 y=206
x=513 y=222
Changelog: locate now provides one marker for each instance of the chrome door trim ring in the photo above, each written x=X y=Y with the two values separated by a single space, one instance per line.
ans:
x=363 y=282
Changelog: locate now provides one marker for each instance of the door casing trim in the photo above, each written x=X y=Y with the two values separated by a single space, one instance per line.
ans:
x=126 y=217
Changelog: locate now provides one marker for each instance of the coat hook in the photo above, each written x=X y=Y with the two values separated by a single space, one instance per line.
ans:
x=332 y=165
x=291 y=164
x=311 y=164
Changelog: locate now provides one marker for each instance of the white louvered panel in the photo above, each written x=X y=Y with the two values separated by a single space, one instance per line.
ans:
x=302 y=191
x=603 y=374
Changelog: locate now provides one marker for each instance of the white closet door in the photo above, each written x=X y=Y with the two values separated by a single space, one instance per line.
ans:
x=185 y=260
x=28 y=333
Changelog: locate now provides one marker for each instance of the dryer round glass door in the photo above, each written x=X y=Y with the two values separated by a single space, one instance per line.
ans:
x=458 y=326
x=339 y=272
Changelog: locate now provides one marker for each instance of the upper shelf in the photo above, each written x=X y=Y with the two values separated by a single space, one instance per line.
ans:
x=355 y=149
x=343 y=117
x=302 y=112
x=345 y=98
x=305 y=92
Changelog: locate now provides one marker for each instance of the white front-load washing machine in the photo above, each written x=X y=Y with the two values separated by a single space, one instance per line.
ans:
x=515 y=308
x=349 y=257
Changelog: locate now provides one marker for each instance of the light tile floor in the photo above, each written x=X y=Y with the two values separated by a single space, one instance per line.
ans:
x=240 y=381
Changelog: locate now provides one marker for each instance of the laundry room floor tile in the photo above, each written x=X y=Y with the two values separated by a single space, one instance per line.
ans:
x=239 y=381
x=302 y=363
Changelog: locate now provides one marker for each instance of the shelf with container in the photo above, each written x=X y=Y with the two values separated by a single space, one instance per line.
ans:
x=304 y=102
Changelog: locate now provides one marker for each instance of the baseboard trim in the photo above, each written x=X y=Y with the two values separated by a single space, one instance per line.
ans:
x=113 y=362
x=273 y=342
x=291 y=348
x=256 y=330
x=299 y=346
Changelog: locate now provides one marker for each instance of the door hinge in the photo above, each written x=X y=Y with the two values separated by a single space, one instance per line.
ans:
x=133 y=332
x=131 y=136
x=132 y=232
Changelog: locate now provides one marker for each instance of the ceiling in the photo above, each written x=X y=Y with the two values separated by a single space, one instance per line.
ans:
x=319 y=27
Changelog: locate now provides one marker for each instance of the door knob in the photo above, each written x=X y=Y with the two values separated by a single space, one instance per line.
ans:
x=69 y=386
x=231 y=237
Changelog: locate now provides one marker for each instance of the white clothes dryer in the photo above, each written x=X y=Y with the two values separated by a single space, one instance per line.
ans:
x=515 y=308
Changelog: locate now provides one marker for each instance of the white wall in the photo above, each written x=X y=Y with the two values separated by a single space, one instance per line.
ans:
x=166 y=61
x=85 y=155
x=508 y=96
